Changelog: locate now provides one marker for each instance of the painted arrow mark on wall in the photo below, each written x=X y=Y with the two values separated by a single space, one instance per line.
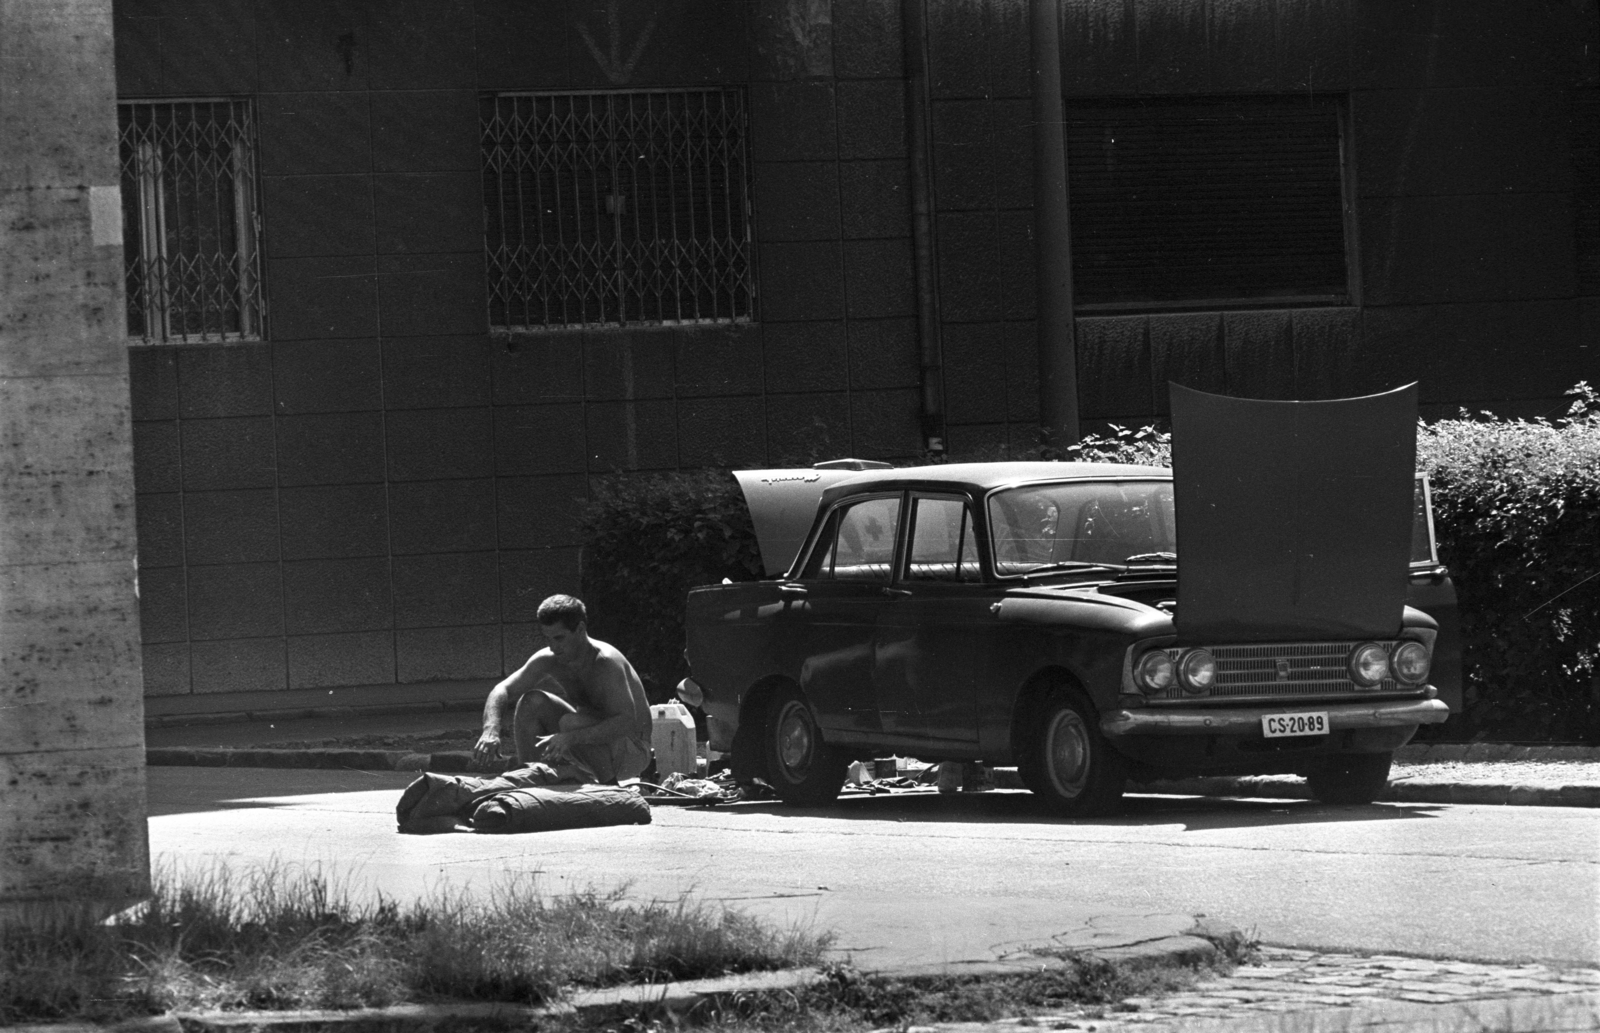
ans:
x=611 y=62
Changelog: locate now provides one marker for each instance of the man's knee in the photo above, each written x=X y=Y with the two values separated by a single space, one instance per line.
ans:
x=536 y=717
x=572 y=722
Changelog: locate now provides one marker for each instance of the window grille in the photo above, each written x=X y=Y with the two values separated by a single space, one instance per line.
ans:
x=1228 y=200
x=611 y=209
x=190 y=223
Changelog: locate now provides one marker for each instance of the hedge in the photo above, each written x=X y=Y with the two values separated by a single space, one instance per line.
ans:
x=647 y=540
x=1517 y=515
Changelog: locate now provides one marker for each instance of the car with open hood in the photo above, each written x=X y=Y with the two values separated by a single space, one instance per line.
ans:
x=1043 y=614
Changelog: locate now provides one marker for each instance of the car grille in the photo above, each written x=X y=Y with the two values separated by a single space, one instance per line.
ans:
x=1284 y=670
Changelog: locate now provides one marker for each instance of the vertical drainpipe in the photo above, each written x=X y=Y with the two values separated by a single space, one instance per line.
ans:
x=1058 y=348
x=914 y=25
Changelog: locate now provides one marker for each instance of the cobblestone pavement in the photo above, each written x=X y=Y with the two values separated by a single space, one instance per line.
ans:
x=1302 y=990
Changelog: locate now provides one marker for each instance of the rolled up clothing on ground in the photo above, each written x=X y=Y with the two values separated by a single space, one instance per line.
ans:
x=550 y=808
x=435 y=802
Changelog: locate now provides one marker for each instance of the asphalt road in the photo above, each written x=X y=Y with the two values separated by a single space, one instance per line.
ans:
x=930 y=878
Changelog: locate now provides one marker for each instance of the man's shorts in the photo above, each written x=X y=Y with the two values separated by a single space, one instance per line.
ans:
x=615 y=760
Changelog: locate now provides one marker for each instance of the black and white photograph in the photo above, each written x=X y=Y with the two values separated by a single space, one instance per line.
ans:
x=800 y=516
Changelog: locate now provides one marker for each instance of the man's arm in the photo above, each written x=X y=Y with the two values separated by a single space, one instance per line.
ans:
x=502 y=698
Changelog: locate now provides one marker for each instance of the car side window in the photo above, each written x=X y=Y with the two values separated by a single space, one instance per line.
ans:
x=943 y=546
x=859 y=542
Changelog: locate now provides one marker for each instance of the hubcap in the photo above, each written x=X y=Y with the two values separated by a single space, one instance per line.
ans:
x=795 y=738
x=1068 y=753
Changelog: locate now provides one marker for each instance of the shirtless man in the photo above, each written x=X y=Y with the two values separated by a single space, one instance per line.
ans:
x=577 y=698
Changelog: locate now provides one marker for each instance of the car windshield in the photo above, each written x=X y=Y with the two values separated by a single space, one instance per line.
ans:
x=1042 y=527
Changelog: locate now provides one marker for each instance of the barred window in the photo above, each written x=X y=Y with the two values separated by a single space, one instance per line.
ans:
x=190 y=222
x=613 y=209
x=1179 y=202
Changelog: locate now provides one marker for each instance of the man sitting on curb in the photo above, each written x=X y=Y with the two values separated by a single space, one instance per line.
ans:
x=578 y=699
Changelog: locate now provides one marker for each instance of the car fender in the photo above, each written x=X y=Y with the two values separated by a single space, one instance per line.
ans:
x=1079 y=635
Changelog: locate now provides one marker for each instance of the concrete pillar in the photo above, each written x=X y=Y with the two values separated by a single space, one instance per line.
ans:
x=72 y=804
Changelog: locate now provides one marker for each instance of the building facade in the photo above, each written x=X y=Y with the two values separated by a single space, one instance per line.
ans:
x=403 y=277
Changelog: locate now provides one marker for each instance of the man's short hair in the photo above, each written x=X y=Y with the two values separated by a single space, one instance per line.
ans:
x=564 y=610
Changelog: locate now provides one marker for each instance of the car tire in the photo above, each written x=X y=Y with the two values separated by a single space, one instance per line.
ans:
x=801 y=767
x=1070 y=766
x=1350 y=778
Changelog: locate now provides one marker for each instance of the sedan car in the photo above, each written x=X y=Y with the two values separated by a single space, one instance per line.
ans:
x=1039 y=615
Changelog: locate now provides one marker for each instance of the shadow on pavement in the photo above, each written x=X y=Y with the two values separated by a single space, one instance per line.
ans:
x=196 y=790
x=1194 y=813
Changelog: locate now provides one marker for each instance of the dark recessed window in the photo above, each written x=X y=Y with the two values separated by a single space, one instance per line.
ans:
x=1215 y=201
x=189 y=220
x=616 y=209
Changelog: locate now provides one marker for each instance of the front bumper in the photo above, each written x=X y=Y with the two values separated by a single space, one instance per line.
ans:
x=1247 y=720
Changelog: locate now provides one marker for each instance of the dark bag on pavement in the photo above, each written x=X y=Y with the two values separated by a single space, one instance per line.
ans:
x=450 y=803
x=550 y=808
x=437 y=803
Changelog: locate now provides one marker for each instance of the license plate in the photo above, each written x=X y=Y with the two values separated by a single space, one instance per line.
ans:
x=1281 y=726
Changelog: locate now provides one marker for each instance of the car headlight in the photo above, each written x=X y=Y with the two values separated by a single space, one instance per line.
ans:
x=1198 y=670
x=1154 y=672
x=1369 y=664
x=1410 y=662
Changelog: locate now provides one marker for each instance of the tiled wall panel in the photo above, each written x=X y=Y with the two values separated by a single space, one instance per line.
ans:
x=385 y=491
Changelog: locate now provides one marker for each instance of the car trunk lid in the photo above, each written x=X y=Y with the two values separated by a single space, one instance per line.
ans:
x=783 y=505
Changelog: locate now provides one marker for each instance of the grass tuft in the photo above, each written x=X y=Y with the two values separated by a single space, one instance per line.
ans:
x=283 y=937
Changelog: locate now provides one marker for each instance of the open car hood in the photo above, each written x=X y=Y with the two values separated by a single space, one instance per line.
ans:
x=783 y=503
x=1294 y=518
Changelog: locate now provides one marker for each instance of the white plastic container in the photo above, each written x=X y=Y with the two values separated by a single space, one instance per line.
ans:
x=672 y=738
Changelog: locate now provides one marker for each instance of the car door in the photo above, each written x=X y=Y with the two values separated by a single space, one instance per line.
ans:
x=1431 y=591
x=841 y=590
x=933 y=630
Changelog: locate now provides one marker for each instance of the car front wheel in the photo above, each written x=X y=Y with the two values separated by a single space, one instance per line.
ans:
x=1351 y=778
x=1071 y=766
x=802 y=768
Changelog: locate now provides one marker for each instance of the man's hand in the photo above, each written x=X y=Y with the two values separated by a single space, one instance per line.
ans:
x=554 y=747
x=487 y=751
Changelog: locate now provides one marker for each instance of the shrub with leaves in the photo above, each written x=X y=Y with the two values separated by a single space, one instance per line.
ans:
x=648 y=539
x=1517 y=511
x=1146 y=446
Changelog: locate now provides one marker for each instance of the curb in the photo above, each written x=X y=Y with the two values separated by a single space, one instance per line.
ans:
x=1292 y=788
x=359 y=760
x=1196 y=947
x=231 y=717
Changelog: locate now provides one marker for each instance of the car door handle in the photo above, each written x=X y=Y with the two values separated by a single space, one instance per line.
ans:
x=792 y=591
x=896 y=593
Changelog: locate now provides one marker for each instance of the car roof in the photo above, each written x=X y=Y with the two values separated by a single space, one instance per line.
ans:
x=981 y=477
